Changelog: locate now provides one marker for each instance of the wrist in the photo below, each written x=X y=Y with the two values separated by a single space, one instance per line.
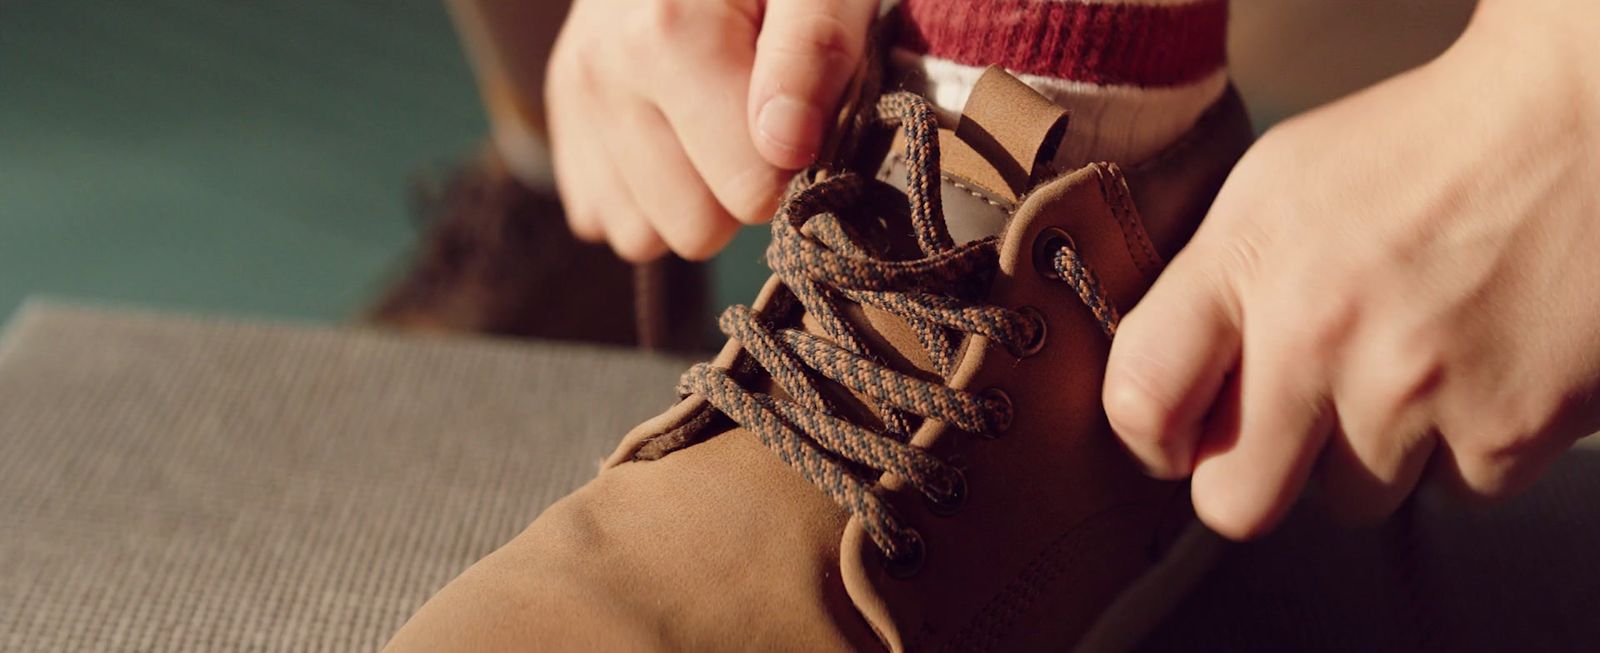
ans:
x=1546 y=52
x=1559 y=34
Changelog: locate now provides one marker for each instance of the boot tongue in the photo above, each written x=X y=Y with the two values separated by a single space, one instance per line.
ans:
x=1001 y=147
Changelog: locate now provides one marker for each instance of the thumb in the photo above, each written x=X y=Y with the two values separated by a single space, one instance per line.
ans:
x=805 y=56
x=1168 y=363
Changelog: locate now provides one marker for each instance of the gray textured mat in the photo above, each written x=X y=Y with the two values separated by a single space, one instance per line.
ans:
x=174 y=484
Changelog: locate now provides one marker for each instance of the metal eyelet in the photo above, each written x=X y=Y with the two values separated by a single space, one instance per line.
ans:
x=908 y=564
x=947 y=505
x=1045 y=245
x=999 y=396
x=1040 y=331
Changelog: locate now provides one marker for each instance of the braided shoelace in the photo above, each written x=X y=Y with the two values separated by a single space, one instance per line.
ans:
x=826 y=264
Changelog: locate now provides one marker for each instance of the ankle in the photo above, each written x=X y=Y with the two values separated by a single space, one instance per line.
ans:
x=1135 y=77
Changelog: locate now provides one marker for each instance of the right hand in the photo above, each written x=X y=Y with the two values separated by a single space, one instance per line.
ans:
x=674 y=121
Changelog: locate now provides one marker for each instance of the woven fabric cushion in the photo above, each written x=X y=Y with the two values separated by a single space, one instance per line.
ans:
x=172 y=484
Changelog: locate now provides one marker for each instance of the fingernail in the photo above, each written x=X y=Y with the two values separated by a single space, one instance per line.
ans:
x=792 y=125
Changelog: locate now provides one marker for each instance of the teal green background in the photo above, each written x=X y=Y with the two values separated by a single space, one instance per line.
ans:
x=231 y=156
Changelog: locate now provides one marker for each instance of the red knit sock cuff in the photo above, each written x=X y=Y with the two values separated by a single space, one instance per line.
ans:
x=1091 y=41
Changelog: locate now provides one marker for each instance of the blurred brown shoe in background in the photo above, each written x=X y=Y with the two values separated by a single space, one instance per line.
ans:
x=496 y=257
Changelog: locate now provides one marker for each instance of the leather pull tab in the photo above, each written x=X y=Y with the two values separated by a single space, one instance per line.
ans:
x=1013 y=127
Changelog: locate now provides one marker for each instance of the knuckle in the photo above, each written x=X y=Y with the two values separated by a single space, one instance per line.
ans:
x=1423 y=352
x=753 y=214
x=635 y=242
x=704 y=239
x=1229 y=518
x=680 y=25
x=1416 y=361
x=573 y=59
x=1310 y=327
x=631 y=251
x=585 y=225
x=651 y=31
x=1134 y=408
x=752 y=195
x=581 y=215
x=677 y=35
x=696 y=243
x=578 y=71
x=1501 y=452
x=1331 y=318
x=1518 y=429
x=1486 y=479
x=662 y=19
x=1243 y=251
x=693 y=225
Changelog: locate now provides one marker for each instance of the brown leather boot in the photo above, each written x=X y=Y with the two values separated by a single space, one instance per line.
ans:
x=902 y=445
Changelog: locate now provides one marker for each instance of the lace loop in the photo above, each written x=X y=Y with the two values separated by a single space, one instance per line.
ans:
x=823 y=264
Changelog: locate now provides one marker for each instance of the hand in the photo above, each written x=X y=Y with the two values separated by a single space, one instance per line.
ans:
x=1406 y=275
x=672 y=121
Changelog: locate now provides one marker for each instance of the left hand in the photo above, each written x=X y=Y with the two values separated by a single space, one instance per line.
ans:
x=1409 y=274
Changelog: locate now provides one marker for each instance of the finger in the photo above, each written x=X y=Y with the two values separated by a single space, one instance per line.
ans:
x=577 y=167
x=675 y=200
x=1479 y=476
x=1486 y=452
x=1386 y=431
x=1365 y=475
x=1245 y=483
x=1161 y=380
x=575 y=172
x=805 y=56
x=597 y=202
x=583 y=217
x=708 y=115
x=627 y=230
